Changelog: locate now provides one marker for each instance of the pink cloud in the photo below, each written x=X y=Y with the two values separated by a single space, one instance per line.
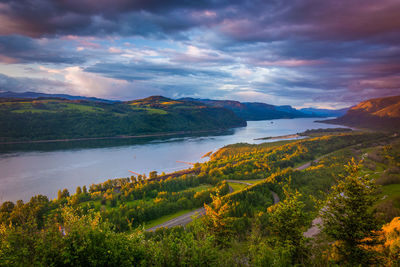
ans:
x=290 y=63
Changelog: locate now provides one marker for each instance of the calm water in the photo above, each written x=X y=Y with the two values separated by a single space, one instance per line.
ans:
x=30 y=169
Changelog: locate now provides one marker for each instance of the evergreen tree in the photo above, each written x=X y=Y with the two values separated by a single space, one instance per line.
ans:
x=217 y=219
x=78 y=190
x=349 y=219
x=287 y=222
x=59 y=194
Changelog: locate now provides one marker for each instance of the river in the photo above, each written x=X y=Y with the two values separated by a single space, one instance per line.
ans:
x=31 y=169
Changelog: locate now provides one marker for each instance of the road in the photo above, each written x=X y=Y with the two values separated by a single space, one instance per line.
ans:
x=187 y=218
x=308 y=164
x=181 y=220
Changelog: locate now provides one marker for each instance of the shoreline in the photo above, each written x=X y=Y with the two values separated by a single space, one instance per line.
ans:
x=113 y=137
x=278 y=137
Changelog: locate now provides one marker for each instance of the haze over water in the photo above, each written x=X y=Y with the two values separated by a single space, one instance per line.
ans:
x=27 y=171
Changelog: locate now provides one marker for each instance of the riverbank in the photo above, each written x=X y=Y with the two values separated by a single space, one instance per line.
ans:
x=279 y=137
x=112 y=137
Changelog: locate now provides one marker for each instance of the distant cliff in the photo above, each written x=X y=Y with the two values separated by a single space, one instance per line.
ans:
x=378 y=114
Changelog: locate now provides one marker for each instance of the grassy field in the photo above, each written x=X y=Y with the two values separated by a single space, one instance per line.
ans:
x=199 y=188
x=151 y=110
x=391 y=191
x=133 y=203
x=252 y=181
x=237 y=187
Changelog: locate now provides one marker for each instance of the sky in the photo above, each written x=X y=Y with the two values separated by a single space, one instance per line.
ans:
x=304 y=53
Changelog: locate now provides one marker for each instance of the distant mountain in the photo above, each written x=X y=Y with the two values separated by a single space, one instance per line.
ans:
x=324 y=112
x=9 y=94
x=26 y=119
x=253 y=110
x=378 y=113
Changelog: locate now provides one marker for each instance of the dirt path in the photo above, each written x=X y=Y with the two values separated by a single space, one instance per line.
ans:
x=314 y=229
x=276 y=197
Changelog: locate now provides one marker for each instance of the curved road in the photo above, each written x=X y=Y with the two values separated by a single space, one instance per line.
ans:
x=181 y=220
x=187 y=218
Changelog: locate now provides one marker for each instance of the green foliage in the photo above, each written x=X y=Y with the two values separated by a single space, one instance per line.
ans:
x=287 y=222
x=42 y=119
x=348 y=218
x=217 y=219
x=76 y=241
x=103 y=225
x=321 y=132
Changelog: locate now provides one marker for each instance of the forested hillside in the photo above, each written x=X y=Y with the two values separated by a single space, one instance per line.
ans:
x=378 y=114
x=44 y=118
x=349 y=180
x=256 y=111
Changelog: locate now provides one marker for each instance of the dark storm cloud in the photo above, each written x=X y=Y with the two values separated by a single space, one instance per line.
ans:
x=147 y=71
x=87 y=17
x=323 y=50
x=313 y=19
x=254 y=20
x=19 y=49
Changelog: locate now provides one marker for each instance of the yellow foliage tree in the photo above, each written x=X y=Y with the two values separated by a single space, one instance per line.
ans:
x=217 y=218
x=390 y=247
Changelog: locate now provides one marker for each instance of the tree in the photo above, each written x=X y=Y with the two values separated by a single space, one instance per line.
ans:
x=153 y=174
x=59 y=194
x=217 y=219
x=349 y=219
x=287 y=222
x=84 y=189
x=65 y=193
x=391 y=233
x=78 y=190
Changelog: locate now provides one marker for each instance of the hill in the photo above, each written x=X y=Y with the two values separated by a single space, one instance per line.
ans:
x=324 y=112
x=57 y=118
x=254 y=110
x=9 y=94
x=261 y=111
x=378 y=114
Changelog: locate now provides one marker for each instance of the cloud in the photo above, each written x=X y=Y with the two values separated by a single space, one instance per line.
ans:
x=146 y=70
x=20 y=49
x=77 y=82
x=88 y=17
x=297 y=52
x=18 y=84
